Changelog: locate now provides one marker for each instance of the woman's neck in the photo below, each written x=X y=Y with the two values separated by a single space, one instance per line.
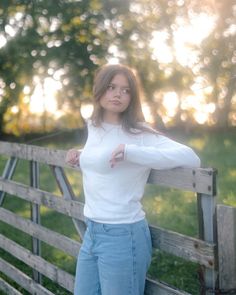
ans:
x=112 y=119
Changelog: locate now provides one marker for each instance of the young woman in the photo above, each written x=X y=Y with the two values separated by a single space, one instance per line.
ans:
x=120 y=151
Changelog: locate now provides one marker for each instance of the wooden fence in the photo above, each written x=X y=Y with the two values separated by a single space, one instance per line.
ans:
x=214 y=250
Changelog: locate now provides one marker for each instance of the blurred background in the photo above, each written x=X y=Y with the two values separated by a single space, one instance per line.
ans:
x=184 y=52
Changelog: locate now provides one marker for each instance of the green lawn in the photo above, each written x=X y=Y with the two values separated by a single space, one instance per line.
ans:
x=168 y=208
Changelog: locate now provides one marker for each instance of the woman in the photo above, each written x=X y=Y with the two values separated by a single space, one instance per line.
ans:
x=120 y=151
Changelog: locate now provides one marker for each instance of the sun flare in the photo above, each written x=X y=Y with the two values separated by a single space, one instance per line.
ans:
x=184 y=36
x=44 y=97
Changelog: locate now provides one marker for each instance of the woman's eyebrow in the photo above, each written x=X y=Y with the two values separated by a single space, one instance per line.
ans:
x=113 y=84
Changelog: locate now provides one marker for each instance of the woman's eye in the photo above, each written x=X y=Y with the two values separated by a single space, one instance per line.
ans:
x=126 y=91
x=111 y=87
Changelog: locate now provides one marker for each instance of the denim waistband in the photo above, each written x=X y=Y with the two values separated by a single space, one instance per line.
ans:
x=99 y=227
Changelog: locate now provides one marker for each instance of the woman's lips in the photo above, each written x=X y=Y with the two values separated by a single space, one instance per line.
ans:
x=115 y=102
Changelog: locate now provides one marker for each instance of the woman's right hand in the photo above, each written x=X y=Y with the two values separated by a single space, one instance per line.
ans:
x=72 y=157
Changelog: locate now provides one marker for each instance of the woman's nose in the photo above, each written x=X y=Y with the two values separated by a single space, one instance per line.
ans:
x=118 y=92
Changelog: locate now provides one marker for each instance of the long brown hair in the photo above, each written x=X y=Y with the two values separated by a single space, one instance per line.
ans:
x=132 y=117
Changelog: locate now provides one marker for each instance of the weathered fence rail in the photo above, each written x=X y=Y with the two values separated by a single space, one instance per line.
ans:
x=211 y=253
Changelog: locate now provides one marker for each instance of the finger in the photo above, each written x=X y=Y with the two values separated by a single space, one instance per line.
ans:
x=71 y=160
x=68 y=156
x=112 y=163
x=72 y=154
x=117 y=152
x=118 y=156
x=115 y=160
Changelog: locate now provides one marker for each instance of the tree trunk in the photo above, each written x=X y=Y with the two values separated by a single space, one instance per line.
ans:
x=223 y=113
x=3 y=109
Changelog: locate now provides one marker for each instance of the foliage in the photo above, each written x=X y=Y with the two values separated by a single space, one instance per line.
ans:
x=67 y=40
x=218 y=62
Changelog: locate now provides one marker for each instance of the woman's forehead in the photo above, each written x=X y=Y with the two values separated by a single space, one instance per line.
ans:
x=120 y=79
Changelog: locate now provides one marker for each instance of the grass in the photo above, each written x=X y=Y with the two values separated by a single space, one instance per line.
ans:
x=168 y=208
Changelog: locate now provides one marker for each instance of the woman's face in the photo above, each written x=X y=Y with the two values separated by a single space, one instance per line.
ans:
x=117 y=97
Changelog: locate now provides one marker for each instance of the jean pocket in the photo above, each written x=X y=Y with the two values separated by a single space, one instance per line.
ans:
x=115 y=230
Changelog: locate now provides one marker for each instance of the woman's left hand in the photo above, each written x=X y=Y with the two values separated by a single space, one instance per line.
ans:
x=117 y=155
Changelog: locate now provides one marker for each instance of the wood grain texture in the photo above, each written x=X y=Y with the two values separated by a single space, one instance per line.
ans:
x=195 y=180
x=71 y=208
x=46 y=235
x=54 y=273
x=8 y=289
x=155 y=287
x=226 y=216
x=22 y=279
x=183 y=246
x=200 y=181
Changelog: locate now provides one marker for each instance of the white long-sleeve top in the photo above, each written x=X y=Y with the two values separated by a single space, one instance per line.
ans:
x=113 y=195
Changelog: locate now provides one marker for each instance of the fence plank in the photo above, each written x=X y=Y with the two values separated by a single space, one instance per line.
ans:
x=171 y=242
x=54 y=273
x=154 y=287
x=71 y=208
x=68 y=194
x=22 y=279
x=8 y=172
x=194 y=180
x=176 y=241
x=8 y=289
x=183 y=246
x=226 y=225
x=33 y=153
x=50 y=237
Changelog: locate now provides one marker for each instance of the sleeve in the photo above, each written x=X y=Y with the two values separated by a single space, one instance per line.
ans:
x=160 y=152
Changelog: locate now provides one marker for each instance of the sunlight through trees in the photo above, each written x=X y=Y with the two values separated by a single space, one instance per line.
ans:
x=183 y=50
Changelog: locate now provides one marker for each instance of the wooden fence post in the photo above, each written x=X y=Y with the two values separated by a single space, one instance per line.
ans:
x=226 y=226
x=201 y=181
x=35 y=215
x=8 y=173
x=208 y=231
x=207 y=207
x=68 y=194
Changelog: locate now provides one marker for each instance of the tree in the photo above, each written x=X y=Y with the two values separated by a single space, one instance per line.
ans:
x=68 y=40
x=58 y=35
x=219 y=63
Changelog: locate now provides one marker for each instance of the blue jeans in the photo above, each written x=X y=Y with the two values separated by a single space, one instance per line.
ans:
x=113 y=259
